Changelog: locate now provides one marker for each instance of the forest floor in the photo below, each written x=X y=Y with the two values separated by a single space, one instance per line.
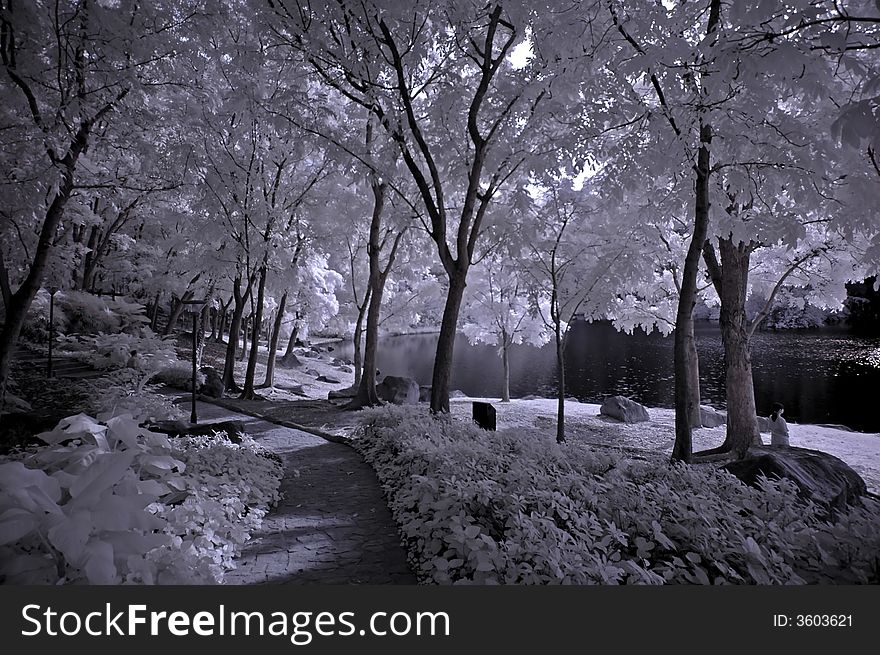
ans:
x=582 y=420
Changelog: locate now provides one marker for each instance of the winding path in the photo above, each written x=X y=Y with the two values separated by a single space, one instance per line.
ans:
x=332 y=525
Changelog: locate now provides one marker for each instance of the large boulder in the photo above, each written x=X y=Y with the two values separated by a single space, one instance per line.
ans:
x=711 y=417
x=425 y=393
x=820 y=477
x=624 y=409
x=328 y=378
x=213 y=385
x=398 y=390
x=763 y=424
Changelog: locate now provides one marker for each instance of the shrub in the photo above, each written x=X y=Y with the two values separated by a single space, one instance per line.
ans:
x=514 y=507
x=109 y=503
x=86 y=313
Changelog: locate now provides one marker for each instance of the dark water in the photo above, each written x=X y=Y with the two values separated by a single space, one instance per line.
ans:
x=828 y=375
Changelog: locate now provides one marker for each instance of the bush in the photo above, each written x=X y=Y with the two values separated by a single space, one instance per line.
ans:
x=86 y=313
x=109 y=351
x=109 y=503
x=514 y=507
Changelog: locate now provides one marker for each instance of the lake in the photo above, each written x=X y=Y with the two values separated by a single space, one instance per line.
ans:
x=828 y=375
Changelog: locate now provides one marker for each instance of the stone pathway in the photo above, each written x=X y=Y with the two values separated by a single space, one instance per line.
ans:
x=62 y=367
x=331 y=527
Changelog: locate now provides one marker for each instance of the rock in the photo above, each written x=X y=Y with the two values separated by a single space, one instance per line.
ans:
x=819 y=477
x=835 y=426
x=456 y=393
x=711 y=417
x=532 y=396
x=313 y=373
x=292 y=388
x=311 y=353
x=624 y=409
x=337 y=394
x=213 y=385
x=763 y=424
x=290 y=361
x=425 y=393
x=328 y=378
x=345 y=368
x=338 y=362
x=398 y=390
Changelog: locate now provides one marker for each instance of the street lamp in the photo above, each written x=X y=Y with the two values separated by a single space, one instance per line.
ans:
x=52 y=292
x=194 y=306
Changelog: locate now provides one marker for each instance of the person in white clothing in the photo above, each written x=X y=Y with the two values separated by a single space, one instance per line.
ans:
x=778 y=427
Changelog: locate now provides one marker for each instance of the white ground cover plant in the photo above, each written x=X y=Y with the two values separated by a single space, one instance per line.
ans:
x=111 y=502
x=513 y=507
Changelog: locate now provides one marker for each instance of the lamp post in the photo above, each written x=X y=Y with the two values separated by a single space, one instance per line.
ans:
x=52 y=292
x=194 y=306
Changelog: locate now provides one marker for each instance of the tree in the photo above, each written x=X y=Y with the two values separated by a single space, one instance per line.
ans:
x=459 y=147
x=581 y=261
x=501 y=311
x=68 y=68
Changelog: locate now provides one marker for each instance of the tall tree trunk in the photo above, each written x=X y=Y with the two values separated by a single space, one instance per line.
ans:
x=742 y=423
x=89 y=264
x=446 y=340
x=366 y=395
x=273 y=342
x=248 y=393
x=560 y=387
x=358 y=338
x=224 y=319
x=686 y=364
x=239 y=299
x=505 y=365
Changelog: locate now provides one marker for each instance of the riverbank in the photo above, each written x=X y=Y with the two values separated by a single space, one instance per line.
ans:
x=300 y=395
x=584 y=424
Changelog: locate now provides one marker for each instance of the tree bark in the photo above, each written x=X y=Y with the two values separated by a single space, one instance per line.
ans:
x=290 y=358
x=505 y=365
x=560 y=387
x=248 y=393
x=239 y=299
x=742 y=423
x=358 y=338
x=273 y=342
x=366 y=395
x=686 y=363
x=446 y=341
x=224 y=319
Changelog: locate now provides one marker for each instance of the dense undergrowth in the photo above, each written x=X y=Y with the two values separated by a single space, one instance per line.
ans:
x=513 y=507
x=111 y=502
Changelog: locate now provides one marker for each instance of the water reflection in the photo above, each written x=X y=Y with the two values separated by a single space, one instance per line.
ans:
x=821 y=376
